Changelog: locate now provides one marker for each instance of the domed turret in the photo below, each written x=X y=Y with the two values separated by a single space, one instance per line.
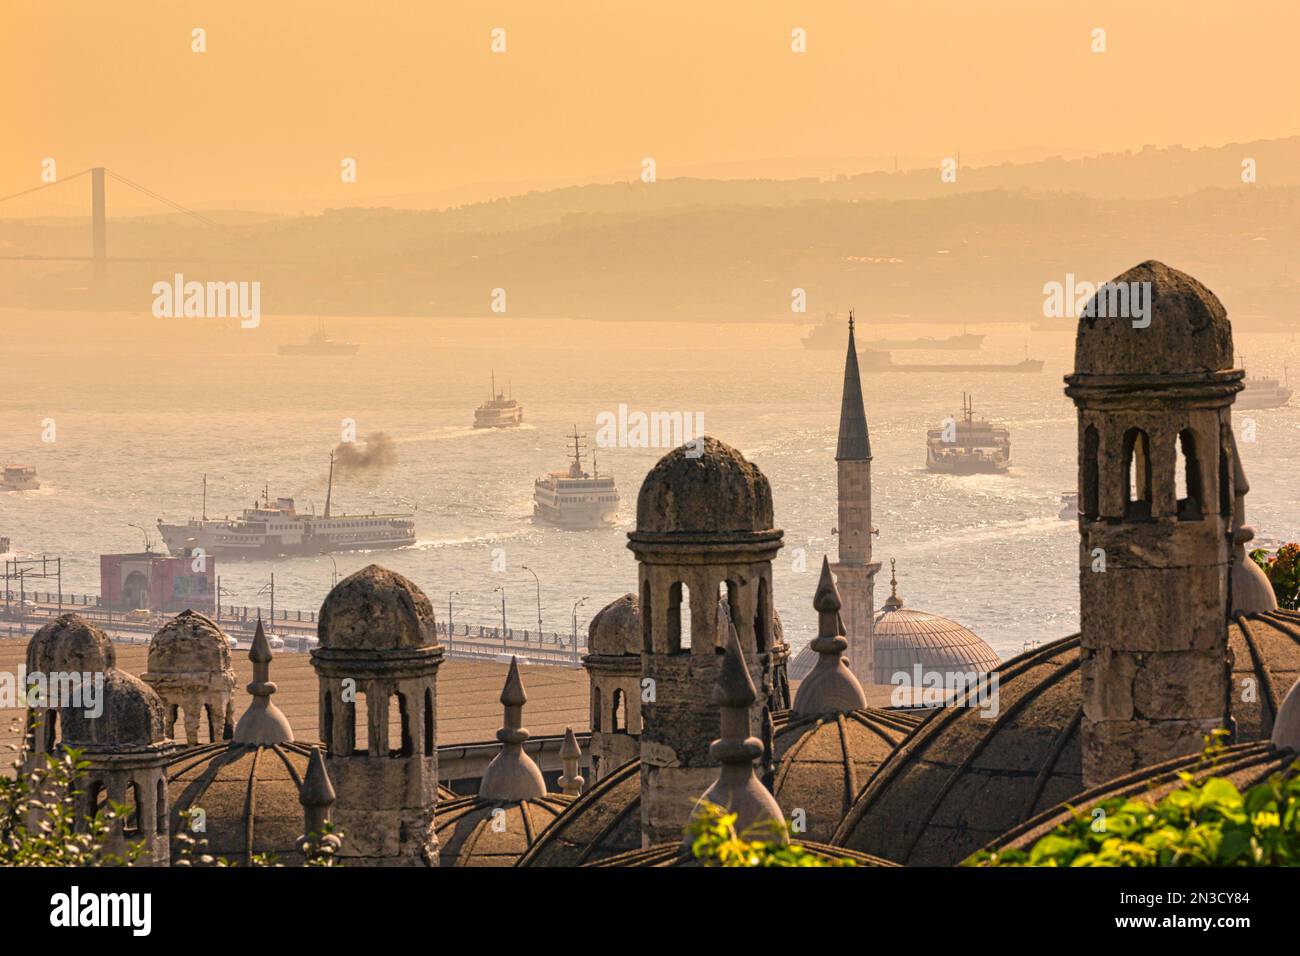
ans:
x=1189 y=331
x=705 y=486
x=376 y=609
x=614 y=675
x=189 y=666
x=132 y=716
x=616 y=628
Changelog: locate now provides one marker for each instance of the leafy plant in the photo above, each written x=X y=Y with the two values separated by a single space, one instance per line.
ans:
x=1283 y=571
x=1209 y=823
x=715 y=842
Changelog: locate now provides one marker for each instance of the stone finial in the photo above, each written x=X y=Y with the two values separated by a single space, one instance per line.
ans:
x=1286 y=726
x=316 y=797
x=737 y=790
x=570 y=757
x=263 y=723
x=830 y=688
x=1252 y=592
x=512 y=775
x=893 y=602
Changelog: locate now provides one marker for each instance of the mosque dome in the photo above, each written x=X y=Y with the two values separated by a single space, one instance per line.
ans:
x=1245 y=765
x=1189 y=330
x=615 y=631
x=820 y=764
x=190 y=644
x=132 y=716
x=477 y=832
x=969 y=774
x=376 y=609
x=823 y=761
x=250 y=795
x=706 y=487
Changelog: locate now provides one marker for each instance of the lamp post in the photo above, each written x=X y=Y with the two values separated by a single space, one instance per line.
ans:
x=450 y=595
x=334 y=583
x=502 y=589
x=576 y=604
x=539 y=602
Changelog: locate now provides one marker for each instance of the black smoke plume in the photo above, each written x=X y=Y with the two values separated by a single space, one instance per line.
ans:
x=375 y=454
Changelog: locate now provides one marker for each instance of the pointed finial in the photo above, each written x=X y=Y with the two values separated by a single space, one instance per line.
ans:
x=893 y=602
x=262 y=724
x=512 y=775
x=570 y=757
x=317 y=790
x=736 y=789
x=850 y=321
x=830 y=687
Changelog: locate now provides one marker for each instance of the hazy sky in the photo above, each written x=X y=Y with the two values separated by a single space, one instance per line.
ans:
x=412 y=91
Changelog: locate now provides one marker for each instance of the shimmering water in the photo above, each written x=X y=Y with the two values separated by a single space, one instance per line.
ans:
x=143 y=407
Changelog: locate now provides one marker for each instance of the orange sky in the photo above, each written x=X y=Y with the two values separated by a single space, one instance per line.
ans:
x=411 y=90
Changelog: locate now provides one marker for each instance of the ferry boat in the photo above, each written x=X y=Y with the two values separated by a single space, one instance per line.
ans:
x=1069 y=505
x=970 y=446
x=4 y=545
x=278 y=530
x=498 y=411
x=575 y=498
x=320 y=343
x=830 y=335
x=1263 y=393
x=19 y=478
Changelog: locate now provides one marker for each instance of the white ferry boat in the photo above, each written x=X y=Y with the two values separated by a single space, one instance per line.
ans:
x=276 y=530
x=575 y=498
x=498 y=411
x=1069 y=505
x=19 y=478
x=970 y=446
x=1262 y=393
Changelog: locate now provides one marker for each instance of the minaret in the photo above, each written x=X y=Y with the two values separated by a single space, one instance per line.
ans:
x=512 y=775
x=1156 y=465
x=855 y=572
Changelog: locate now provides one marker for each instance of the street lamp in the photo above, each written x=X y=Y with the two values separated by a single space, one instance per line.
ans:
x=335 y=582
x=576 y=604
x=502 y=589
x=539 y=602
x=450 y=595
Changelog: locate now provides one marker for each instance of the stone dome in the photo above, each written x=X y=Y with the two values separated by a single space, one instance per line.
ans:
x=1245 y=765
x=706 y=487
x=968 y=775
x=471 y=832
x=602 y=822
x=615 y=631
x=249 y=796
x=189 y=644
x=71 y=643
x=1189 y=330
x=132 y=716
x=376 y=609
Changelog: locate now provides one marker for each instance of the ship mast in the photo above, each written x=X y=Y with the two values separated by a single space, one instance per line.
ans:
x=329 y=488
x=576 y=471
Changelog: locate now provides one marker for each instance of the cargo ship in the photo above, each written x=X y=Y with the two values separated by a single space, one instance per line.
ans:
x=830 y=335
x=498 y=411
x=19 y=478
x=575 y=498
x=277 y=530
x=320 y=343
x=968 y=447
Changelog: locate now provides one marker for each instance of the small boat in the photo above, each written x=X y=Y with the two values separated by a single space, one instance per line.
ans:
x=498 y=411
x=575 y=498
x=19 y=478
x=319 y=343
x=1260 y=393
x=1069 y=505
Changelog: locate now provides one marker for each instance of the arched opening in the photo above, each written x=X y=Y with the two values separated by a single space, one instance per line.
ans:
x=647 y=640
x=1137 y=475
x=762 y=614
x=360 y=724
x=173 y=714
x=208 y=721
x=135 y=591
x=596 y=709
x=327 y=721
x=131 y=814
x=350 y=709
x=428 y=723
x=160 y=807
x=619 y=712
x=95 y=799
x=1187 y=476
x=399 y=735
x=1089 y=503
x=679 y=618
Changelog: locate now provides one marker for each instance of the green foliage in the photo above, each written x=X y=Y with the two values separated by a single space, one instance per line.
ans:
x=715 y=842
x=39 y=823
x=1283 y=570
x=1199 y=824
